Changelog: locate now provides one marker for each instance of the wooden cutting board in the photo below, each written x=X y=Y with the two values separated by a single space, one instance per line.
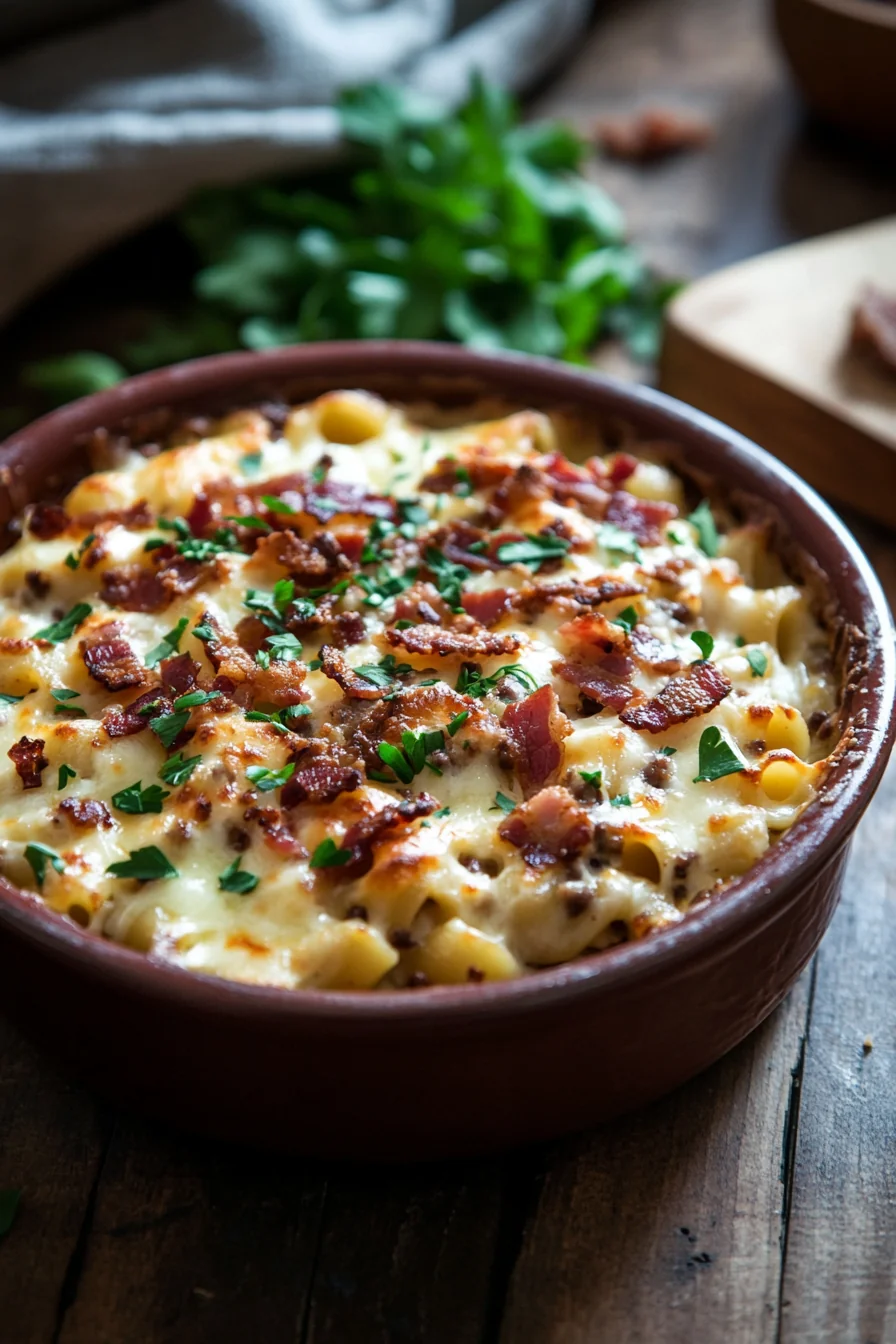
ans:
x=763 y=345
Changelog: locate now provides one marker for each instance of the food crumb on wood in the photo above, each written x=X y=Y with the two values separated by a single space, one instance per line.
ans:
x=867 y=1045
x=204 y=1292
x=652 y=133
x=874 y=325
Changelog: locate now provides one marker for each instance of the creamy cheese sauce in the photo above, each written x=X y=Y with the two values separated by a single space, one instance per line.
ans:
x=245 y=881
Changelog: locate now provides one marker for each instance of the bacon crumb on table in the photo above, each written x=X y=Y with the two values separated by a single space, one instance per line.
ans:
x=874 y=325
x=652 y=133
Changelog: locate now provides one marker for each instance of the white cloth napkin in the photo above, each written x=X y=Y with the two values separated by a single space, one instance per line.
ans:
x=108 y=126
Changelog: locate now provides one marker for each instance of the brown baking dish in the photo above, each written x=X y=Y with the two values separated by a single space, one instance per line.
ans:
x=441 y=1071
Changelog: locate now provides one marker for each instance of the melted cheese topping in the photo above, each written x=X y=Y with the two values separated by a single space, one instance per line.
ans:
x=444 y=897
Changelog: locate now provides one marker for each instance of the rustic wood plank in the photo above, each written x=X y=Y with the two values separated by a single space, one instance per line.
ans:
x=52 y=1139
x=192 y=1241
x=840 y=1268
x=408 y=1254
x=666 y=1225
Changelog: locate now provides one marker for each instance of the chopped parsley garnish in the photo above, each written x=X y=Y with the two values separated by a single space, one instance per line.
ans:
x=178 y=525
x=233 y=879
x=62 y=695
x=167 y=727
x=178 y=769
x=705 y=643
x=593 y=777
x=675 y=535
x=283 y=648
x=379 y=529
x=146 y=865
x=627 y=619
x=707 y=535
x=442 y=812
x=73 y=559
x=198 y=548
x=413 y=512
x=194 y=698
x=271 y=607
x=464 y=486
x=38 y=856
x=249 y=520
x=475 y=684
x=457 y=722
x=449 y=577
x=617 y=541
x=266 y=780
x=329 y=855
x=168 y=645
x=502 y=803
x=11 y=699
x=740 y=642
x=621 y=800
x=279 y=718
x=319 y=473
x=384 y=672
x=384 y=585
x=136 y=800
x=409 y=759
x=65 y=774
x=64 y=629
x=533 y=551
x=9 y=1206
x=205 y=633
x=717 y=756
x=275 y=505
x=758 y=662
x=667 y=751
x=251 y=463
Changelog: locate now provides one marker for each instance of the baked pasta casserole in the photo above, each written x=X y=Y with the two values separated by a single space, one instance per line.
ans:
x=352 y=695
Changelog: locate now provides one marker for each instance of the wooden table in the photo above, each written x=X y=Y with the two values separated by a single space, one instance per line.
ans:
x=756 y=1204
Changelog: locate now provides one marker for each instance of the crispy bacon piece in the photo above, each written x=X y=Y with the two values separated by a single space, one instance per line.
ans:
x=86 y=813
x=27 y=755
x=365 y=835
x=652 y=652
x=596 y=681
x=622 y=466
x=535 y=729
x=334 y=665
x=432 y=639
x=348 y=629
x=109 y=658
x=422 y=602
x=417 y=709
x=571 y=484
x=349 y=498
x=136 y=588
x=486 y=608
x=874 y=324
x=47 y=521
x=455 y=542
x=126 y=722
x=277 y=835
x=484 y=468
x=516 y=494
x=652 y=133
x=549 y=827
x=643 y=517
x=315 y=562
x=279 y=684
x=534 y=598
x=135 y=516
x=179 y=675
x=696 y=692
x=320 y=782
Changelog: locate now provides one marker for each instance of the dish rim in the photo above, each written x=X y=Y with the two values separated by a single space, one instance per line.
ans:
x=758 y=897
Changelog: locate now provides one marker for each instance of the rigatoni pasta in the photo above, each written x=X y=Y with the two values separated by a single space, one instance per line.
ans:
x=350 y=695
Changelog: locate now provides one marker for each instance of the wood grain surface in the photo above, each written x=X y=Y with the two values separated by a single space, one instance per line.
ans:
x=753 y=1206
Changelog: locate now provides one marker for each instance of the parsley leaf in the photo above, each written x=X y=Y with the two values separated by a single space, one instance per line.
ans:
x=627 y=619
x=178 y=769
x=442 y=812
x=593 y=777
x=667 y=751
x=502 y=803
x=271 y=608
x=284 y=648
x=707 y=535
x=413 y=512
x=409 y=759
x=266 y=780
x=251 y=463
x=62 y=695
x=758 y=662
x=136 y=800
x=384 y=672
x=464 y=486
x=38 y=856
x=473 y=683
x=278 y=718
x=384 y=585
x=705 y=643
x=457 y=722
x=617 y=541
x=621 y=800
x=62 y=630
x=167 y=727
x=232 y=879
x=73 y=559
x=275 y=505
x=146 y=865
x=329 y=855
x=204 y=632
x=194 y=698
x=11 y=699
x=533 y=551
x=717 y=756
x=168 y=645
x=449 y=576
x=65 y=774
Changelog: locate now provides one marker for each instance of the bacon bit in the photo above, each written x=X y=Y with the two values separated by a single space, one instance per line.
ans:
x=126 y=722
x=432 y=639
x=549 y=827
x=652 y=653
x=593 y=636
x=536 y=728
x=309 y=562
x=86 y=813
x=277 y=835
x=486 y=608
x=874 y=324
x=534 y=598
x=622 y=466
x=351 y=499
x=422 y=602
x=417 y=709
x=643 y=517
x=27 y=755
x=517 y=494
x=109 y=658
x=47 y=521
x=698 y=691
x=136 y=588
x=364 y=835
x=571 y=484
x=484 y=468
x=456 y=540
x=333 y=664
x=595 y=681
x=320 y=782
x=348 y=629
x=652 y=133
x=136 y=517
x=179 y=674
x=280 y=684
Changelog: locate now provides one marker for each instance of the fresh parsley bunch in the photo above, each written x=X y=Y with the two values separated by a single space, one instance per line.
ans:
x=469 y=227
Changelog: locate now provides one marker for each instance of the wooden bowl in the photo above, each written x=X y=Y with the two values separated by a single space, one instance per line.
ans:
x=843 y=56
x=453 y=1070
